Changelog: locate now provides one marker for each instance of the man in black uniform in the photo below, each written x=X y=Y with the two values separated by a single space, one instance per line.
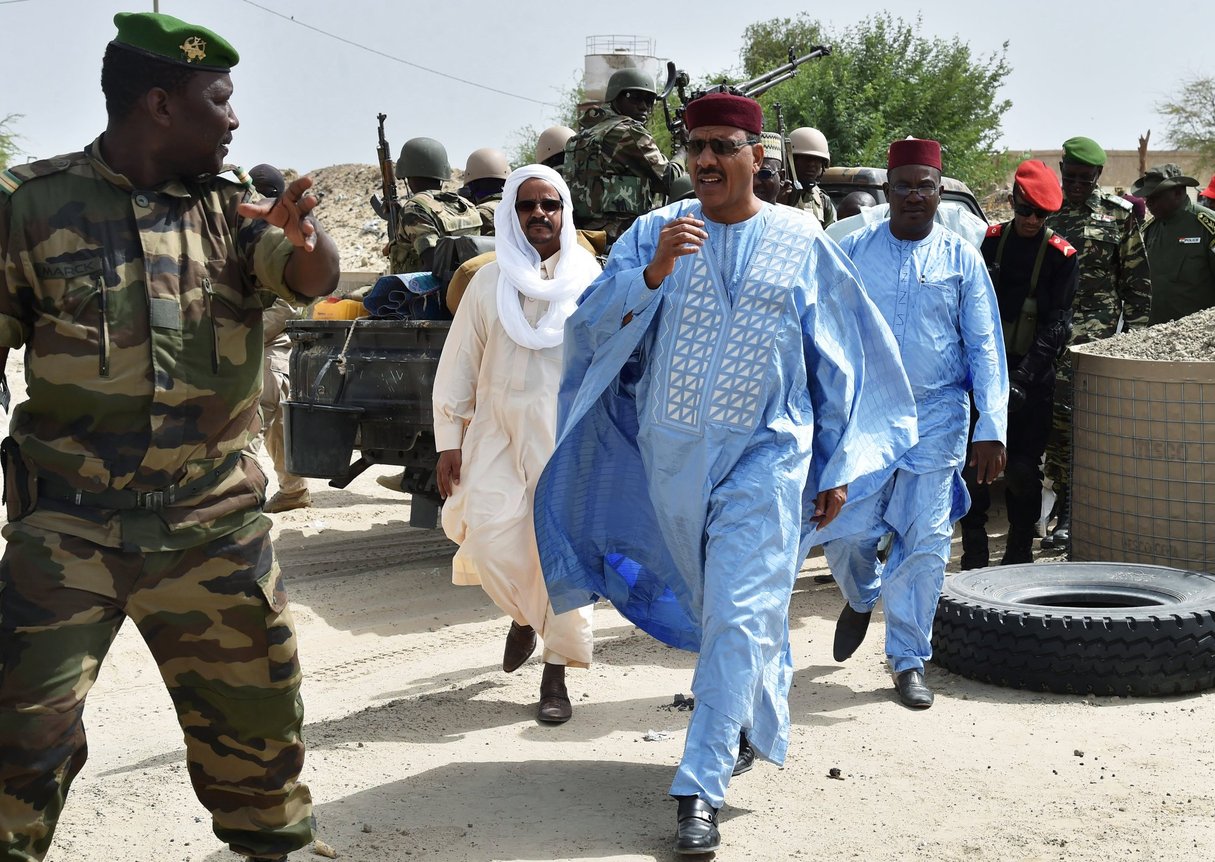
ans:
x=1035 y=273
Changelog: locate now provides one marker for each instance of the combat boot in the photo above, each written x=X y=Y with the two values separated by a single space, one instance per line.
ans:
x=1020 y=547
x=1060 y=537
x=975 y=554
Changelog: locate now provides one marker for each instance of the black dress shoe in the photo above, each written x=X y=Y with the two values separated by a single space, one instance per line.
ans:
x=520 y=644
x=849 y=632
x=912 y=691
x=555 y=707
x=696 y=827
x=746 y=756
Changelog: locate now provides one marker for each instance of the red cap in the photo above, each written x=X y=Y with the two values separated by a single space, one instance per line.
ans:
x=1209 y=191
x=724 y=109
x=1038 y=185
x=914 y=151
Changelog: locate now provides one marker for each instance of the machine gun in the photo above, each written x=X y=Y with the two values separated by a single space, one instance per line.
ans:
x=795 y=192
x=389 y=206
x=678 y=80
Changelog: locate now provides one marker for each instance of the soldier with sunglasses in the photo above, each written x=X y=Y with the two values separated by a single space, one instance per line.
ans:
x=1034 y=273
x=1114 y=284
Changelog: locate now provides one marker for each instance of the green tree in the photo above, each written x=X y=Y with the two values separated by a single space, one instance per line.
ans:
x=8 y=141
x=886 y=80
x=1191 y=118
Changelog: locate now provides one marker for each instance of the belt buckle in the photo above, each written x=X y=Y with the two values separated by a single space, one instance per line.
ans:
x=152 y=501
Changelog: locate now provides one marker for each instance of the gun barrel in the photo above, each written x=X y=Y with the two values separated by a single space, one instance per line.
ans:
x=782 y=73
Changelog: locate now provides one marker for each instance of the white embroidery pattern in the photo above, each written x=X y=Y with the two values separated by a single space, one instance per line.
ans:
x=696 y=335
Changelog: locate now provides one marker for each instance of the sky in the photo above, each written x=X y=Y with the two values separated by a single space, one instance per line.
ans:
x=308 y=100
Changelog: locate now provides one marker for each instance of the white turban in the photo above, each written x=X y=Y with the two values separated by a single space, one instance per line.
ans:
x=519 y=266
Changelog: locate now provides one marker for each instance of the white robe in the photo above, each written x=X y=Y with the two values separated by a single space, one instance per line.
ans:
x=497 y=403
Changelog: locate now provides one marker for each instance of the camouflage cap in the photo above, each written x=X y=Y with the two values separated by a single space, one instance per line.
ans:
x=774 y=147
x=174 y=41
x=1160 y=178
x=1084 y=151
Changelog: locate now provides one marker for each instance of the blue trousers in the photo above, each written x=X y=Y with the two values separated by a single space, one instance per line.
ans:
x=919 y=508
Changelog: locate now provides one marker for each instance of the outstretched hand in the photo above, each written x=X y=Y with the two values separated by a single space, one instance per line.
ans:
x=290 y=212
x=684 y=235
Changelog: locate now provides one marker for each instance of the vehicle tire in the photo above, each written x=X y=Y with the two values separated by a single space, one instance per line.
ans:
x=1106 y=628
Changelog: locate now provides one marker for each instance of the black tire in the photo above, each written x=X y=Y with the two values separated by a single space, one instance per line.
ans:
x=1072 y=628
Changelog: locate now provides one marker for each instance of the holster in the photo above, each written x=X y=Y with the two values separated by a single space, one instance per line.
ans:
x=20 y=483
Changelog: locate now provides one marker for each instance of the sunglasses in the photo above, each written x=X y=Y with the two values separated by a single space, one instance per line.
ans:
x=765 y=174
x=1026 y=210
x=719 y=146
x=549 y=205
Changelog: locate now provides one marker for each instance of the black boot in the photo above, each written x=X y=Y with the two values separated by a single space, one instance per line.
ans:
x=1060 y=538
x=974 y=548
x=1020 y=547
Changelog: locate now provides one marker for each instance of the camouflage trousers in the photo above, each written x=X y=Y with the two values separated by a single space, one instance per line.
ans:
x=1059 y=447
x=275 y=389
x=216 y=620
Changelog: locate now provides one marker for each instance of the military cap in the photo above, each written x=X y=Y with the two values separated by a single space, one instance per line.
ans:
x=1160 y=178
x=174 y=41
x=1084 y=151
x=774 y=147
x=1038 y=185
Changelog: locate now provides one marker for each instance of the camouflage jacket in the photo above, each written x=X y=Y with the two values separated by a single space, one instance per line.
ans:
x=140 y=311
x=487 y=208
x=1114 y=276
x=1181 y=250
x=426 y=216
x=615 y=172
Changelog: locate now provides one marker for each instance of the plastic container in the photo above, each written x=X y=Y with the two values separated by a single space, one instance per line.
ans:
x=323 y=450
x=332 y=308
x=1143 y=461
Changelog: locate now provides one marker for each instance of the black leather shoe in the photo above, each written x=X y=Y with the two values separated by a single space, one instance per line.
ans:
x=696 y=827
x=520 y=644
x=912 y=691
x=746 y=756
x=849 y=632
x=555 y=707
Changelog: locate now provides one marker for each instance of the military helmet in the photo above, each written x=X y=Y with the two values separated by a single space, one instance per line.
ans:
x=810 y=142
x=681 y=189
x=629 y=79
x=423 y=157
x=552 y=141
x=485 y=164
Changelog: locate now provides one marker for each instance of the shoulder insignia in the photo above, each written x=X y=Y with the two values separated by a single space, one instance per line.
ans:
x=1116 y=202
x=1060 y=244
x=995 y=230
x=15 y=176
x=1206 y=218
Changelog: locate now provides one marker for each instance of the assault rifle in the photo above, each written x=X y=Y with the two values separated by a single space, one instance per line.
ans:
x=389 y=206
x=786 y=156
x=678 y=80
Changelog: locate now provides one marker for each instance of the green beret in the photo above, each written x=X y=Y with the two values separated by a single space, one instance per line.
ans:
x=174 y=41
x=1085 y=151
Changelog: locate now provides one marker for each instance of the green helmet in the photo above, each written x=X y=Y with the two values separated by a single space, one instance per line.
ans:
x=629 y=79
x=423 y=157
x=681 y=189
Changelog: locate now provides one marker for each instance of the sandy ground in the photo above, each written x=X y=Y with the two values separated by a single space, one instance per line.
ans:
x=422 y=749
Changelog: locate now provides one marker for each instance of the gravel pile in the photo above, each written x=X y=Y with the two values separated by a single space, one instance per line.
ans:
x=1190 y=338
x=347 y=216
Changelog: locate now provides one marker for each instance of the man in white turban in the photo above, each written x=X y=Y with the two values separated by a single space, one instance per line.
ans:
x=495 y=409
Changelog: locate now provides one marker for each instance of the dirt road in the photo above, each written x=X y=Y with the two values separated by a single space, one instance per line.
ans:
x=422 y=749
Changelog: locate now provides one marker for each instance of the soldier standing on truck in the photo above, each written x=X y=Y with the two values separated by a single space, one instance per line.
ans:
x=429 y=212
x=485 y=174
x=614 y=169
x=134 y=275
x=495 y=409
x=811 y=157
x=1114 y=283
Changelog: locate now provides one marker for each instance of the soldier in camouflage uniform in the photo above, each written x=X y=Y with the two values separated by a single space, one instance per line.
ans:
x=429 y=212
x=135 y=278
x=811 y=156
x=485 y=175
x=1114 y=283
x=614 y=169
